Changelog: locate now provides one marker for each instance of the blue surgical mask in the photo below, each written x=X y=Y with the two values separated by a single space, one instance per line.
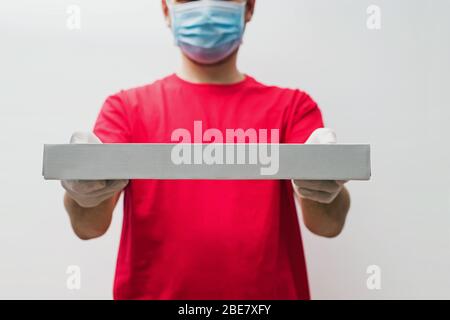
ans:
x=208 y=31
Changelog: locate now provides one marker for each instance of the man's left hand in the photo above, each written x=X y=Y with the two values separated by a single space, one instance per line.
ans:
x=323 y=191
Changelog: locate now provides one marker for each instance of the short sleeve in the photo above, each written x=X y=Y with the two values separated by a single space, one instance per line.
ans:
x=304 y=119
x=113 y=123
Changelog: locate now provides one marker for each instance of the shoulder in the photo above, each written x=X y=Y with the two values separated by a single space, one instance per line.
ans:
x=287 y=92
x=141 y=93
x=296 y=103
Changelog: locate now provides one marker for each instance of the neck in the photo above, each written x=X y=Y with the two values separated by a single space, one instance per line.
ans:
x=225 y=72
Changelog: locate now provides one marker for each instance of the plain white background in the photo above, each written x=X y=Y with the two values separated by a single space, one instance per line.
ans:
x=387 y=87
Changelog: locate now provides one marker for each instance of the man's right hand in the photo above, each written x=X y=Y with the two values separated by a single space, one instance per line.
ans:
x=91 y=193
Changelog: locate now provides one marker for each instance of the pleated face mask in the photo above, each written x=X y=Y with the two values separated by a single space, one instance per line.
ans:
x=208 y=31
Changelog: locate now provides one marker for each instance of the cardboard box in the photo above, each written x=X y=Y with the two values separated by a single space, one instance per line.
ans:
x=206 y=161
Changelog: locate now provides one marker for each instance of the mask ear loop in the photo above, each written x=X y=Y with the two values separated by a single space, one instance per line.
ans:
x=170 y=5
x=244 y=12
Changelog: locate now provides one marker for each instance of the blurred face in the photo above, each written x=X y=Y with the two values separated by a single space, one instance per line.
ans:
x=208 y=31
x=250 y=7
x=184 y=1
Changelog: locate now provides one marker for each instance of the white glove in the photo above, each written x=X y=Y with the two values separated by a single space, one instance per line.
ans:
x=90 y=193
x=323 y=191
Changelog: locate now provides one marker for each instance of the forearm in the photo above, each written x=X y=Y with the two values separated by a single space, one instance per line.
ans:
x=326 y=220
x=89 y=223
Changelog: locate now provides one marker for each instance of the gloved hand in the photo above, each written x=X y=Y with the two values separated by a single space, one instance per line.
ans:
x=323 y=191
x=90 y=193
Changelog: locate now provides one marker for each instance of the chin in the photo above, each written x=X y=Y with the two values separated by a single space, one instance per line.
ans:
x=213 y=64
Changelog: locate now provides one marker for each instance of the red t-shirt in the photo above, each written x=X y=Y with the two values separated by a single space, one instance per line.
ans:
x=208 y=239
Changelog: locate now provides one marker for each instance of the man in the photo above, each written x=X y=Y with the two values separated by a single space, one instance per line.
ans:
x=208 y=239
